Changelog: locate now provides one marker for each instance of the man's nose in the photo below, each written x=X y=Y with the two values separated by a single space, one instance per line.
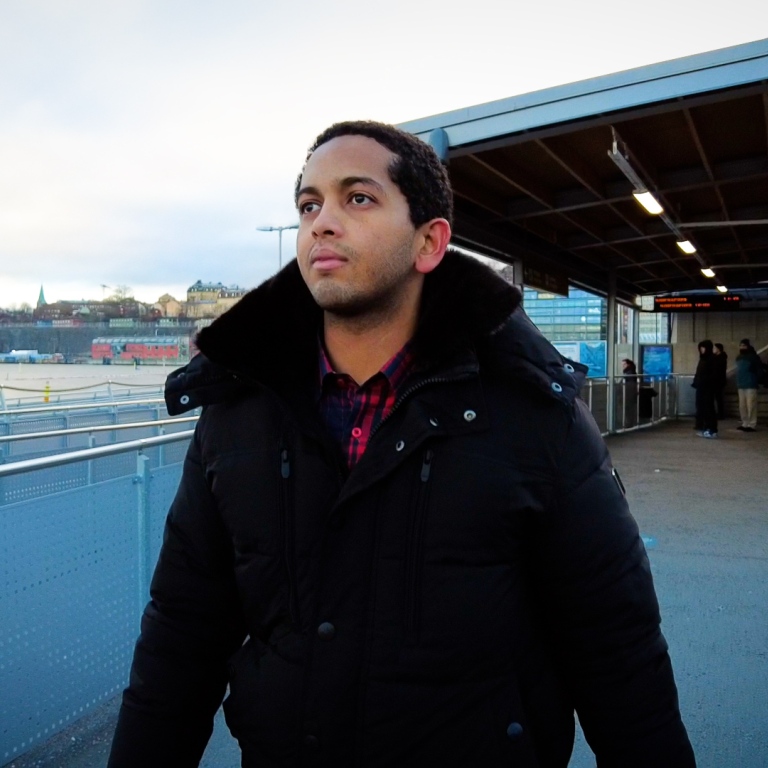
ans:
x=328 y=221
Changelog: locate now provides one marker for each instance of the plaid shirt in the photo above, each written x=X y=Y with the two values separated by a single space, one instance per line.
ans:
x=351 y=412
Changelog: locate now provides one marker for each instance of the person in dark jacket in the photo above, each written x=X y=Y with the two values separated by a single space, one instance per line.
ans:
x=705 y=382
x=721 y=360
x=398 y=537
x=748 y=370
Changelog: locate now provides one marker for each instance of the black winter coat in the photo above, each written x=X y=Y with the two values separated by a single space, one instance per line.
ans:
x=450 y=602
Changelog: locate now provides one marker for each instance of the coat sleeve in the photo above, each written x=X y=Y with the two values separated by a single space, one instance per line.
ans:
x=189 y=629
x=603 y=613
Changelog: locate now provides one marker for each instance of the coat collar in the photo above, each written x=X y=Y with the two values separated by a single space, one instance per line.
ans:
x=270 y=336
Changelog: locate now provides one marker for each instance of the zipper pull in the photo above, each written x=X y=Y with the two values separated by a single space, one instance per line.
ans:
x=426 y=467
x=285 y=465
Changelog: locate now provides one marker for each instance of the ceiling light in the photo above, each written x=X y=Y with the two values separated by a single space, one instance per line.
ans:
x=707 y=272
x=722 y=289
x=686 y=246
x=649 y=202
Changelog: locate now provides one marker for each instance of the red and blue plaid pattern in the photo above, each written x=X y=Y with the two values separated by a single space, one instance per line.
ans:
x=351 y=412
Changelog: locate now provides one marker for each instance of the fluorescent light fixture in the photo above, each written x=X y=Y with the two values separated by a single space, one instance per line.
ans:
x=722 y=289
x=707 y=272
x=686 y=246
x=649 y=202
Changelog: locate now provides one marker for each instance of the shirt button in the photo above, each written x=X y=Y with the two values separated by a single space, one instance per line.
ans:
x=311 y=741
x=357 y=433
x=326 y=631
x=514 y=731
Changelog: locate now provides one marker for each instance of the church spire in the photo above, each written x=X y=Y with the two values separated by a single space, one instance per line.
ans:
x=41 y=302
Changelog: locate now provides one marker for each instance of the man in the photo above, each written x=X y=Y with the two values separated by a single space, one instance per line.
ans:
x=721 y=361
x=748 y=370
x=398 y=536
x=705 y=383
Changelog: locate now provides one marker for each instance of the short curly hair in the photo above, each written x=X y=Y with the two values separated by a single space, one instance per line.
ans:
x=417 y=170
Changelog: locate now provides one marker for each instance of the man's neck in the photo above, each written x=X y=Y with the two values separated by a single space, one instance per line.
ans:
x=361 y=347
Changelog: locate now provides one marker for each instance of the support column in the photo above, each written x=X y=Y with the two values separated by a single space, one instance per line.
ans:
x=611 y=345
x=636 y=336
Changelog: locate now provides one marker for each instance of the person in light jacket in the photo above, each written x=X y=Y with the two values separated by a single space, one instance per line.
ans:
x=748 y=370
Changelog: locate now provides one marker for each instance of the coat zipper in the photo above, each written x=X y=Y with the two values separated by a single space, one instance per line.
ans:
x=415 y=388
x=288 y=535
x=414 y=566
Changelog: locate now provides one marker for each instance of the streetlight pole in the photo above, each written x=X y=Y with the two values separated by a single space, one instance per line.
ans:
x=279 y=231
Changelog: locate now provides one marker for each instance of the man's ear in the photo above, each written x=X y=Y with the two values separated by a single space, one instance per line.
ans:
x=434 y=237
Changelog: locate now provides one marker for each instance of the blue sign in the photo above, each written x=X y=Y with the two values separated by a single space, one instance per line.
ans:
x=656 y=360
x=593 y=354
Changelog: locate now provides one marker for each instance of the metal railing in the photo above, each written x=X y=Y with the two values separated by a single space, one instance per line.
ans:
x=639 y=401
x=90 y=431
x=77 y=563
x=53 y=429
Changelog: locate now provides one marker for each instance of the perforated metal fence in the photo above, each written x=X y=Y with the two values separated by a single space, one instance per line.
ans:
x=78 y=543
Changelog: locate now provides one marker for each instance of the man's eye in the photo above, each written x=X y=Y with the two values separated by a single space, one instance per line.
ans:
x=310 y=207
x=359 y=198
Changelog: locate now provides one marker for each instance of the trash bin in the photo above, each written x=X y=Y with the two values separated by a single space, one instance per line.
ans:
x=645 y=405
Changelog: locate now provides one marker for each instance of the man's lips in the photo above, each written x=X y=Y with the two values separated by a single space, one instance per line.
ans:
x=327 y=260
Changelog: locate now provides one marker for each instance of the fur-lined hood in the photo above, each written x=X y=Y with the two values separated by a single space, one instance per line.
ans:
x=270 y=336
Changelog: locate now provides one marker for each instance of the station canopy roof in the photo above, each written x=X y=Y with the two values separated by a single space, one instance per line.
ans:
x=549 y=177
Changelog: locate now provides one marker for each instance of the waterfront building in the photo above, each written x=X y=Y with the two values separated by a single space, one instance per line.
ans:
x=208 y=300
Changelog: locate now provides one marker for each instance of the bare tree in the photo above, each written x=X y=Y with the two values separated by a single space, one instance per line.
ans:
x=122 y=292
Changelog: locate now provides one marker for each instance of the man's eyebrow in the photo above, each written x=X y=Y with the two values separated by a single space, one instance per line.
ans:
x=345 y=183
x=351 y=181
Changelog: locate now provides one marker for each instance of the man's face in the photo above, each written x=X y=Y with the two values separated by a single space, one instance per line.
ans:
x=716 y=351
x=356 y=245
x=742 y=347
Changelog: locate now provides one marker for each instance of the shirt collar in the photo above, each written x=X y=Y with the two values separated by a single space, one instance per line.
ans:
x=395 y=370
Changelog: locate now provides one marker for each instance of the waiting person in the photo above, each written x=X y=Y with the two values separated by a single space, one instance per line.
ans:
x=748 y=369
x=705 y=382
x=398 y=536
x=721 y=360
x=628 y=413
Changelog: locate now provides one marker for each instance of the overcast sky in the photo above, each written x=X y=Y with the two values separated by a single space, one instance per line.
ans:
x=142 y=142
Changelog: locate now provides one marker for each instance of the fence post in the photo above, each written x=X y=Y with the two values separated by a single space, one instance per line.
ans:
x=142 y=496
x=2 y=397
x=89 y=469
x=161 y=448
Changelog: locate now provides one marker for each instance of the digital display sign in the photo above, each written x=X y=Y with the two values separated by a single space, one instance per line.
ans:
x=718 y=303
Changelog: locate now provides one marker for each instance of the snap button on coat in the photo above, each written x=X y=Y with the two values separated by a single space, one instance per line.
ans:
x=326 y=631
x=311 y=741
x=514 y=731
x=556 y=387
x=469 y=415
x=184 y=399
x=400 y=445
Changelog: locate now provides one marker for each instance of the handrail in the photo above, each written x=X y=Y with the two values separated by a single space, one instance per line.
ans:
x=78 y=406
x=88 y=430
x=60 y=459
